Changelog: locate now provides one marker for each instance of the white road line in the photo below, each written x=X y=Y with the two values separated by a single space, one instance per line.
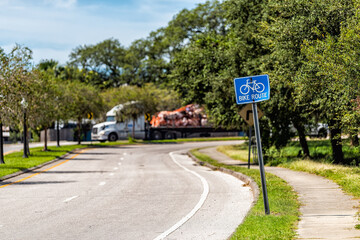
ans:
x=115 y=168
x=111 y=174
x=121 y=159
x=70 y=198
x=119 y=163
x=195 y=209
x=125 y=154
x=102 y=183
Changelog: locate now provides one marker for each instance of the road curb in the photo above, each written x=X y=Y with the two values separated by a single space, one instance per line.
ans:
x=246 y=179
x=38 y=166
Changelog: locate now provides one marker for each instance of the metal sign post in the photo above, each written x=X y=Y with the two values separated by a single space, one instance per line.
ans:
x=251 y=90
x=260 y=158
x=249 y=147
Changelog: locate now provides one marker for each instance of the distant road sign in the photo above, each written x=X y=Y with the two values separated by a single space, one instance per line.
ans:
x=147 y=117
x=247 y=114
x=90 y=116
x=252 y=89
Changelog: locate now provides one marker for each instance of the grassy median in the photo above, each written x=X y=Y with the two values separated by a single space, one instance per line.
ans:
x=346 y=176
x=14 y=162
x=281 y=223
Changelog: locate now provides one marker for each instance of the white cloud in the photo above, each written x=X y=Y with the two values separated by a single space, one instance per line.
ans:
x=52 y=28
x=62 y=56
x=62 y=3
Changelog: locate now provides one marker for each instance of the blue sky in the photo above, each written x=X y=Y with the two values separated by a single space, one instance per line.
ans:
x=52 y=28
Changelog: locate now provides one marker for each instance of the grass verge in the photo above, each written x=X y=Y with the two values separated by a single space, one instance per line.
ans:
x=282 y=221
x=347 y=177
x=14 y=162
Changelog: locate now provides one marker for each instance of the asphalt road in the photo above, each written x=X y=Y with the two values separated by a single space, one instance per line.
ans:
x=128 y=192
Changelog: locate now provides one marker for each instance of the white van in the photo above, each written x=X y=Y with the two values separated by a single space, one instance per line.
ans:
x=112 y=130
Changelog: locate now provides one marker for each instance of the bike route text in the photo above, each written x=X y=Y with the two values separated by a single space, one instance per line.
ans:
x=254 y=96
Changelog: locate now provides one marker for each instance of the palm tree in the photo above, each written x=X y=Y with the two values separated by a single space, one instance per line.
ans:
x=130 y=111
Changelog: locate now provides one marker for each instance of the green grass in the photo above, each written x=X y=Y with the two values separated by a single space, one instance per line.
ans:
x=346 y=176
x=238 y=152
x=14 y=162
x=320 y=151
x=282 y=221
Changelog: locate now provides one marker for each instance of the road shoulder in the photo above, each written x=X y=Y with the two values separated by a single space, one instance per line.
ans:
x=326 y=211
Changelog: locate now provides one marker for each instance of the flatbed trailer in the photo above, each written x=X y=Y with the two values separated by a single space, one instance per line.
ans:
x=157 y=133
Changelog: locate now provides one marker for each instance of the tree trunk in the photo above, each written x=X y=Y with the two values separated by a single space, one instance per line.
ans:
x=302 y=138
x=28 y=142
x=1 y=145
x=133 y=129
x=336 y=143
x=57 y=134
x=25 y=152
x=45 y=141
x=79 y=131
x=354 y=138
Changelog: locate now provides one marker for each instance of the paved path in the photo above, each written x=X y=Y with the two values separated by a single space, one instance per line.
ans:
x=326 y=212
x=150 y=191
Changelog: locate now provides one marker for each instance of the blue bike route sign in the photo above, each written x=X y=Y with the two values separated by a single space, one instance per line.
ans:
x=252 y=89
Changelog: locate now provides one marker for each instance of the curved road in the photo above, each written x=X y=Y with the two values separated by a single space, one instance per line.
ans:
x=128 y=192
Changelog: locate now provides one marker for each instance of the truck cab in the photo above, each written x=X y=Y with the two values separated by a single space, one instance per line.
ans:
x=111 y=130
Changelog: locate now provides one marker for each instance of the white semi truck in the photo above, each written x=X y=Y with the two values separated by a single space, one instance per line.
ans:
x=187 y=121
x=111 y=130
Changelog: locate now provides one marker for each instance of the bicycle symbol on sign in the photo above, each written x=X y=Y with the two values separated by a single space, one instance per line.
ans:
x=257 y=87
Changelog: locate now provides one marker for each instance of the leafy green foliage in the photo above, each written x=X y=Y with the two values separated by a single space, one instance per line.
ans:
x=105 y=59
x=310 y=50
x=152 y=98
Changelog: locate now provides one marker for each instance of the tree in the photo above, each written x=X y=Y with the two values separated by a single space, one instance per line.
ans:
x=4 y=66
x=49 y=97
x=154 y=98
x=131 y=111
x=17 y=81
x=82 y=100
x=330 y=79
x=291 y=23
x=138 y=101
x=203 y=71
x=102 y=64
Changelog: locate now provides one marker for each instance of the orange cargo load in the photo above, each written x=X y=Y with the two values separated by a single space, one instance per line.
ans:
x=191 y=115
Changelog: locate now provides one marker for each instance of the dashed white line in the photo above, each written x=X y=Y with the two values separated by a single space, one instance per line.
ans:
x=111 y=174
x=116 y=168
x=121 y=159
x=119 y=163
x=102 y=183
x=70 y=198
x=125 y=154
x=195 y=209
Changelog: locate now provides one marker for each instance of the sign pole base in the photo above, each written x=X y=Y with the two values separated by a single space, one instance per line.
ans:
x=260 y=157
x=249 y=158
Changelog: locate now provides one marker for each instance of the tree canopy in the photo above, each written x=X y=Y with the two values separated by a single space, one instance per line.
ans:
x=308 y=48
